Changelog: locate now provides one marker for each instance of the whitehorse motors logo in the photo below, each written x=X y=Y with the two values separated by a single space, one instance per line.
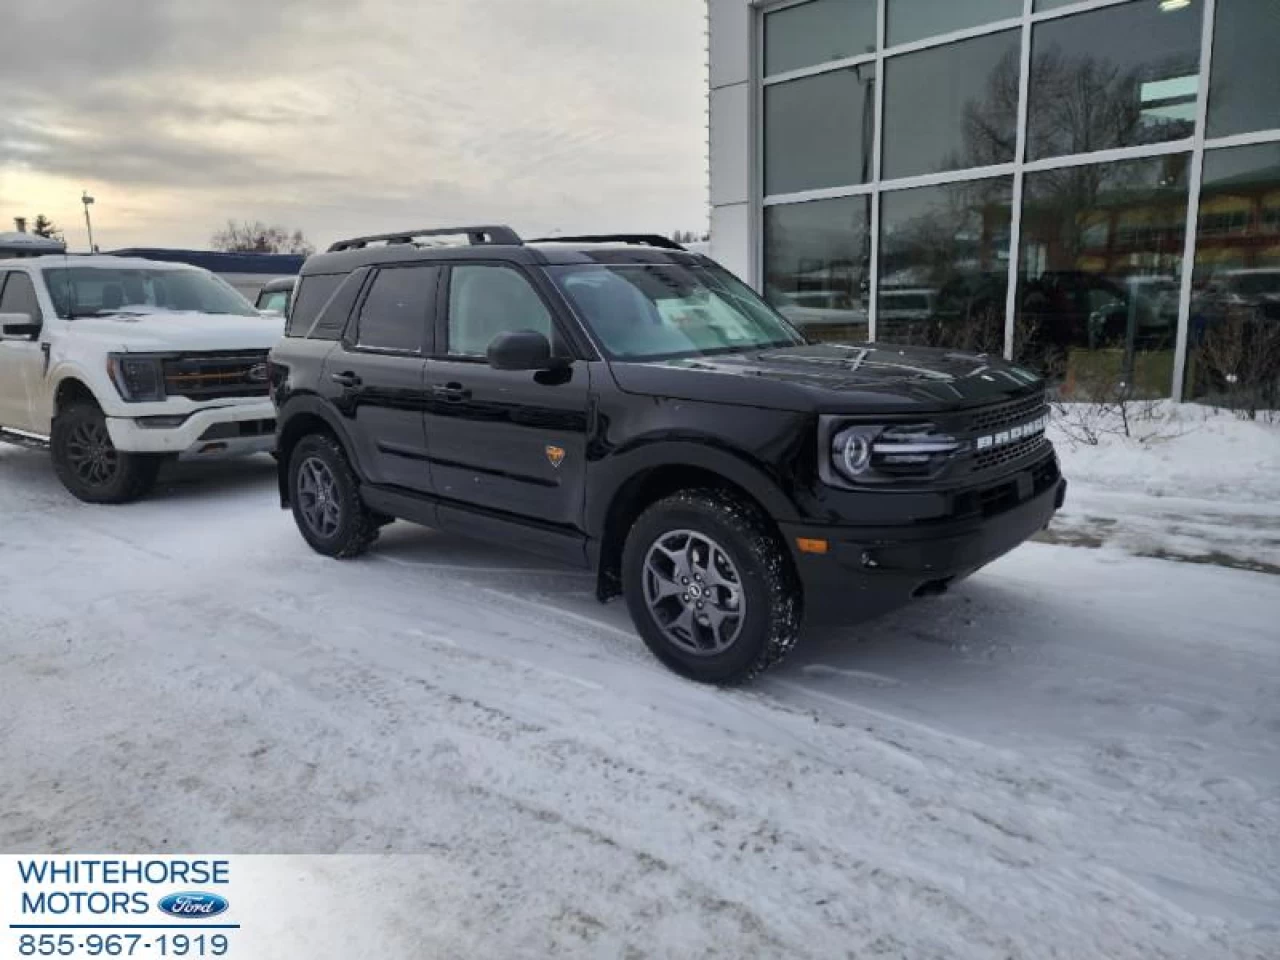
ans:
x=1023 y=431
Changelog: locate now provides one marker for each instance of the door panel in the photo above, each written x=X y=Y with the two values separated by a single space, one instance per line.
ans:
x=21 y=361
x=376 y=373
x=510 y=441
x=382 y=398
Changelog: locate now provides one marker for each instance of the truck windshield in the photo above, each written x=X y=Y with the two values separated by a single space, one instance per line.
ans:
x=98 y=291
x=662 y=310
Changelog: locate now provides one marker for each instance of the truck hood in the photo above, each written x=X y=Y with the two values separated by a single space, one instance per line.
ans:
x=833 y=378
x=179 y=331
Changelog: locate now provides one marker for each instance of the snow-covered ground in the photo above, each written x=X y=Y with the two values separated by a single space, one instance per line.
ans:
x=1191 y=482
x=1074 y=754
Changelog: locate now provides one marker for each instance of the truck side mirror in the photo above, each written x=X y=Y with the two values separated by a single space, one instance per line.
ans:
x=18 y=326
x=523 y=350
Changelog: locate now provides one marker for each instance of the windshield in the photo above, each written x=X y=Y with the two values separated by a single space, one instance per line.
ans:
x=656 y=311
x=95 y=291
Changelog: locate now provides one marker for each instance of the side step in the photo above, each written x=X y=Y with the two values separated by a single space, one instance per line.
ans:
x=28 y=440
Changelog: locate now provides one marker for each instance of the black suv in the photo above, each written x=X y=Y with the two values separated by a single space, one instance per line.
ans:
x=621 y=404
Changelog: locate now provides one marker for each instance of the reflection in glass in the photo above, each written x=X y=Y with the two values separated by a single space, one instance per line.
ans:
x=817 y=265
x=1233 y=339
x=1121 y=76
x=916 y=19
x=1052 y=4
x=818 y=130
x=1099 y=264
x=951 y=106
x=818 y=32
x=1246 y=68
x=944 y=265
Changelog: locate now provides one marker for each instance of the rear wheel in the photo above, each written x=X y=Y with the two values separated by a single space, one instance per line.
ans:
x=90 y=466
x=325 y=495
x=710 y=587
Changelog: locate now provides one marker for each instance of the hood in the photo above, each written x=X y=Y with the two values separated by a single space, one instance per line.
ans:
x=833 y=378
x=185 y=331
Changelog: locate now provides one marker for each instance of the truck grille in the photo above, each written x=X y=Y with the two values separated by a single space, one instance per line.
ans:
x=998 y=417
x=217 y=376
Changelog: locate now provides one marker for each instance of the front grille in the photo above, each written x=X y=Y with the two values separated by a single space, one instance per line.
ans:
x=996 y=418
x=217 y=376
x=999 y=456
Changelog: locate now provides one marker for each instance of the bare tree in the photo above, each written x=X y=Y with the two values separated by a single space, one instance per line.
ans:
x=258 y=237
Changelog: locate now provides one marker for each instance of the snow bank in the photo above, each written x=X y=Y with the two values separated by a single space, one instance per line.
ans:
x=1180 y=450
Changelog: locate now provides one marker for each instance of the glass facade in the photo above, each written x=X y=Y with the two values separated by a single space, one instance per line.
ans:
x=902 y=200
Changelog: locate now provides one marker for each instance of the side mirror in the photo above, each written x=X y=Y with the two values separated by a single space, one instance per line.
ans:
x=18 y=326
x=523 y=350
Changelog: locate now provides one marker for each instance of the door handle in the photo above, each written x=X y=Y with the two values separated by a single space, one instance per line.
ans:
x=451 y=392
x=346 y=379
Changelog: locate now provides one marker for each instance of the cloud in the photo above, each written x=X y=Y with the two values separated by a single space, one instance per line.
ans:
x=356 y=116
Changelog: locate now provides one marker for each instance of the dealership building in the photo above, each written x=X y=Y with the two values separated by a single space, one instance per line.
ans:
x=1091 y=188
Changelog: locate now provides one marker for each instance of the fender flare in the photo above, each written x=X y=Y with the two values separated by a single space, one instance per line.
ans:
x=313 y=405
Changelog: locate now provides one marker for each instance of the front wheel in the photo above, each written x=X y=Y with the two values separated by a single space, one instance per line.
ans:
x=90 y=466
x=710 y=587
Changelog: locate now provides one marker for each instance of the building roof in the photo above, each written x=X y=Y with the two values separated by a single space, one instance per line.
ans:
x=29 y=243
x=273 y=264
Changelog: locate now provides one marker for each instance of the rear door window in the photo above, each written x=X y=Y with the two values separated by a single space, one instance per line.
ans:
x=397 y=310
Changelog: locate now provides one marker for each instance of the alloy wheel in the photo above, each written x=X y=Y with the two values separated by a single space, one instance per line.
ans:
x=318 y=497
x=92 y=455
x=694 y=592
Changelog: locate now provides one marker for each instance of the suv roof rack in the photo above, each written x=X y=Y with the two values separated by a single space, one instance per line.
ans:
x=642 y=239
x=476 y=236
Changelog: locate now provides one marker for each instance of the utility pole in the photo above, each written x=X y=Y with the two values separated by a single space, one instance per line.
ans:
x=87 y=200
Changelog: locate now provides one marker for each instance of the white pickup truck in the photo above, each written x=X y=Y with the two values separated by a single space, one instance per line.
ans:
x=116 y=364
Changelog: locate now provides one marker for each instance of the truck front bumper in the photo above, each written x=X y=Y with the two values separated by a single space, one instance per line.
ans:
x=208 y=433
x=866 y=571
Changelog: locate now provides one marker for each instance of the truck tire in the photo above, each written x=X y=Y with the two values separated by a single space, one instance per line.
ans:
x=710 y=587
x=89 y=465
x=325 y=496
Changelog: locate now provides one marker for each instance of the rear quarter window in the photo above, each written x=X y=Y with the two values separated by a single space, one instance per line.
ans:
x=313 y=294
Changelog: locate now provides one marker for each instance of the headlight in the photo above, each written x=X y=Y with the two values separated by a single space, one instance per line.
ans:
x=139 y=379
x=870 y=454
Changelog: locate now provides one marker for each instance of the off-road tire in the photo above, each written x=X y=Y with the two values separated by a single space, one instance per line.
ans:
x=357 y=526
x=771 y=624
x=132 y=476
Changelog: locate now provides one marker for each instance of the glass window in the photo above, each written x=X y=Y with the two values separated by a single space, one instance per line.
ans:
x=817 y=265
x=818 y=130
x=1100 y=269
x=641 y=312
x=274 y=301
x=1118 y=77
x=916 y=19
x=20 y=297
x=952 y=106
x=1245 y=67
x=313 y=293
x=1233 y=339
x=944 y=265
x=1052 y=4
x=485 y=301
x=396 y=311
x=818 y=32
x=89 y=291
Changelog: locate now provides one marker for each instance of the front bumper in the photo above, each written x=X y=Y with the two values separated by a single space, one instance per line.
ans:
x=869 y=570
x=208 y=433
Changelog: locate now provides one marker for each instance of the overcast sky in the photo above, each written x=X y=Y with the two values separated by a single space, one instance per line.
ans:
x=344 y=117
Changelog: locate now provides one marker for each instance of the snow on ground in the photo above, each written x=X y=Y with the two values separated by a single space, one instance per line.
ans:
x=1076 y=753
x=1191 y=483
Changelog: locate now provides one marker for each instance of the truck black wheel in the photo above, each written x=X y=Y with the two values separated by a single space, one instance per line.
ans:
x=89 y=465
x=710 y=587
x=325 y=496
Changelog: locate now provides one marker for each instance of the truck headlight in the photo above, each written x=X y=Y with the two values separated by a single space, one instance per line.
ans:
x=871 y=454
x=138 y=378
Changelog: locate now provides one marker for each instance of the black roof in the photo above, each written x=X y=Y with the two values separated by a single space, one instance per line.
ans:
x=497 y=243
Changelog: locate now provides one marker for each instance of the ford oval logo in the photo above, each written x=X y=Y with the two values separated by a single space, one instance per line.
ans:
x=194 y=906
x=258 y=373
